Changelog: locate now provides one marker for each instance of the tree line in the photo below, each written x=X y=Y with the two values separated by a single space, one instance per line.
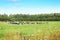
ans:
x=27 y=17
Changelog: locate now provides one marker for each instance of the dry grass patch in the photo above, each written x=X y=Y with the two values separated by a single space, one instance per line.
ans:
x=55 y=35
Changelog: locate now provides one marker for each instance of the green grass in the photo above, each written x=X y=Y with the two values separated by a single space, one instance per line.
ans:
x=28 y=29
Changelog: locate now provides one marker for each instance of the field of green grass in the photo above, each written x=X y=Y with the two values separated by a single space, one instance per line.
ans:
x=29 y=29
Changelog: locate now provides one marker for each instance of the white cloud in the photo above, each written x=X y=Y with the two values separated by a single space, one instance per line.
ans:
x=15 y=10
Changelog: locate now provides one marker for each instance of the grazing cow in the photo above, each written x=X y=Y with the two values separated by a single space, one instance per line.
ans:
x=14 y=22
x=27 y=22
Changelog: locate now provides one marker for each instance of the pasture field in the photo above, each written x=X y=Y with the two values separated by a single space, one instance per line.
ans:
x=29 y=29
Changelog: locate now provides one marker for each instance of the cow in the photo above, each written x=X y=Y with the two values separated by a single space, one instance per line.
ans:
x=14 y=22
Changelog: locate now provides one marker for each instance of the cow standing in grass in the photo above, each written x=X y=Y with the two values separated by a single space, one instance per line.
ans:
x=14 y=22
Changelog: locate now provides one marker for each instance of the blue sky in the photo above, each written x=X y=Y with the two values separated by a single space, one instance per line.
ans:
x=29 y=6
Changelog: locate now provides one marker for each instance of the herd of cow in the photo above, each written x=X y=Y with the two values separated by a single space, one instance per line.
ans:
x=23 y=22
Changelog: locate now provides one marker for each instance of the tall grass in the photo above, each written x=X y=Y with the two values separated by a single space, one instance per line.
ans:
x=50 y=31
x=55 y=35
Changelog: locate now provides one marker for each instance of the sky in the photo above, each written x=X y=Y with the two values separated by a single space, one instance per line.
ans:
x=29 y=6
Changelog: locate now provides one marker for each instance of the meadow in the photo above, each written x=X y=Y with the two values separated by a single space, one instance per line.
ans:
x=29 y=31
